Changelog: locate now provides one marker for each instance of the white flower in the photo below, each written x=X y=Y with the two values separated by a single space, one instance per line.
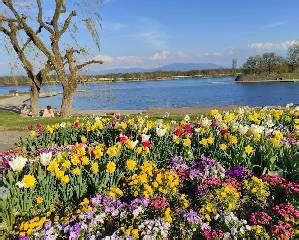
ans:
x=97 y=118
x=241 y=111
x=243 y=129
x=256 y=129
x=160 y=132
x=187 y=118
x=233 y=231
x=18 y=163
x=269 y=123
x=205 y=122
x=20 y=184
x=135 y=143
x=145 y=137
x=63 y=125
x=45 y=158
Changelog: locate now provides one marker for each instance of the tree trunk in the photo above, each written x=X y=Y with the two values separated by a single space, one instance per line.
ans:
x=67 y=101
x=34 y=99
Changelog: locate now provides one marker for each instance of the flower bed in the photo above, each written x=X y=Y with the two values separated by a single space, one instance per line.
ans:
x=209 y=177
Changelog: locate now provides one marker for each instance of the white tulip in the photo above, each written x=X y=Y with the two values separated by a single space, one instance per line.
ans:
x=243 y=129
x=18 y=163
x=160 y=132
x=187 y=118
x=45 y=158
x=145 y=137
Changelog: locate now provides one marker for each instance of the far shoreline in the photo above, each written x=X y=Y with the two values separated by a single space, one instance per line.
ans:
x=101 y=80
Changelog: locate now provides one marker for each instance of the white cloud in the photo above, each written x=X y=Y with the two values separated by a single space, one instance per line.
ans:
x=105 y=58
x=272 y=46
x=130 y=59
x=160 y=56
x=119 y=60
x=166 y=55
x=275 y=24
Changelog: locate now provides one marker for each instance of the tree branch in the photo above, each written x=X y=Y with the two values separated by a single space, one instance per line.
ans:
x=58 y=11
x=80 y=66
x=29 y=39
x=40 y=17
x=67 y=22
x=29 y=31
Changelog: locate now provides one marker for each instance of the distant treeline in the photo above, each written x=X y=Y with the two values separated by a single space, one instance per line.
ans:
x=22 y=80
x=270 y=66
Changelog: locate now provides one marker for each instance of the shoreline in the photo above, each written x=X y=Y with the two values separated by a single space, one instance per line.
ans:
x=269 y=81
x=111 y=80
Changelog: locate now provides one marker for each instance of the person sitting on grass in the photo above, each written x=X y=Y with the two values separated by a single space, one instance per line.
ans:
x=25 y=111
x=48 y=112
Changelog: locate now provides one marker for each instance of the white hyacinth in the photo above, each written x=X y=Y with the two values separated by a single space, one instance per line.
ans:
x=18 y=163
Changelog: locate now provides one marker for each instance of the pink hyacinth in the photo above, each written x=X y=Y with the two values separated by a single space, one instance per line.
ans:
x=260 y=218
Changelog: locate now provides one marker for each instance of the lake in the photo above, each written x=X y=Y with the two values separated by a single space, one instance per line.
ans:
x=174 y=93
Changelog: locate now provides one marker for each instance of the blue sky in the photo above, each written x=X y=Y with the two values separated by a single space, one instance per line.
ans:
x=148 y=33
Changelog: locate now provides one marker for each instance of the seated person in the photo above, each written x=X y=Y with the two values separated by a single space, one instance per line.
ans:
x=48 y=112
x=25 y=111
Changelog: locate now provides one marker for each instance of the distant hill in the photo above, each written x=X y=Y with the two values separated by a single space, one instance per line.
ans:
x=169 y=67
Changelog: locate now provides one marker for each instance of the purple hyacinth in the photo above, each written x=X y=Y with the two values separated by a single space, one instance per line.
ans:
x=202 y=190
x=192 y=216
x=194 y=173
x=236 y=171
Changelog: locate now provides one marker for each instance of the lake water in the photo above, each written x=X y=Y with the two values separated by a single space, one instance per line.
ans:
x=174 y=93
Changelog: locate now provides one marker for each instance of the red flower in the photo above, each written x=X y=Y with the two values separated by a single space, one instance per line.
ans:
x=117 y=116
x=38 y=126
x=123 y=138
x=179 y=132
x=147 y=143
x=159 y=203
x=188 y=128
x=181 y=173
x=213 y=123
x=223 y=132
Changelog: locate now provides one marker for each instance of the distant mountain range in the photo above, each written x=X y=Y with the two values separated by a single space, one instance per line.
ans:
x=169 y=67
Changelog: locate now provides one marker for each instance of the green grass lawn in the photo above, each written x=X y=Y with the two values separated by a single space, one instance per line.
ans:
x=10 y=121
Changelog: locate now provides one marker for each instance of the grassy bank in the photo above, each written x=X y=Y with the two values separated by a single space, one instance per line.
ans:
x=10 y=121
x=263 y=77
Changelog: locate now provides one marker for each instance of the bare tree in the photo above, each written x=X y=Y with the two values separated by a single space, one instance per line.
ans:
x=61 y=59
x=11 y=28
x=293 y=56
